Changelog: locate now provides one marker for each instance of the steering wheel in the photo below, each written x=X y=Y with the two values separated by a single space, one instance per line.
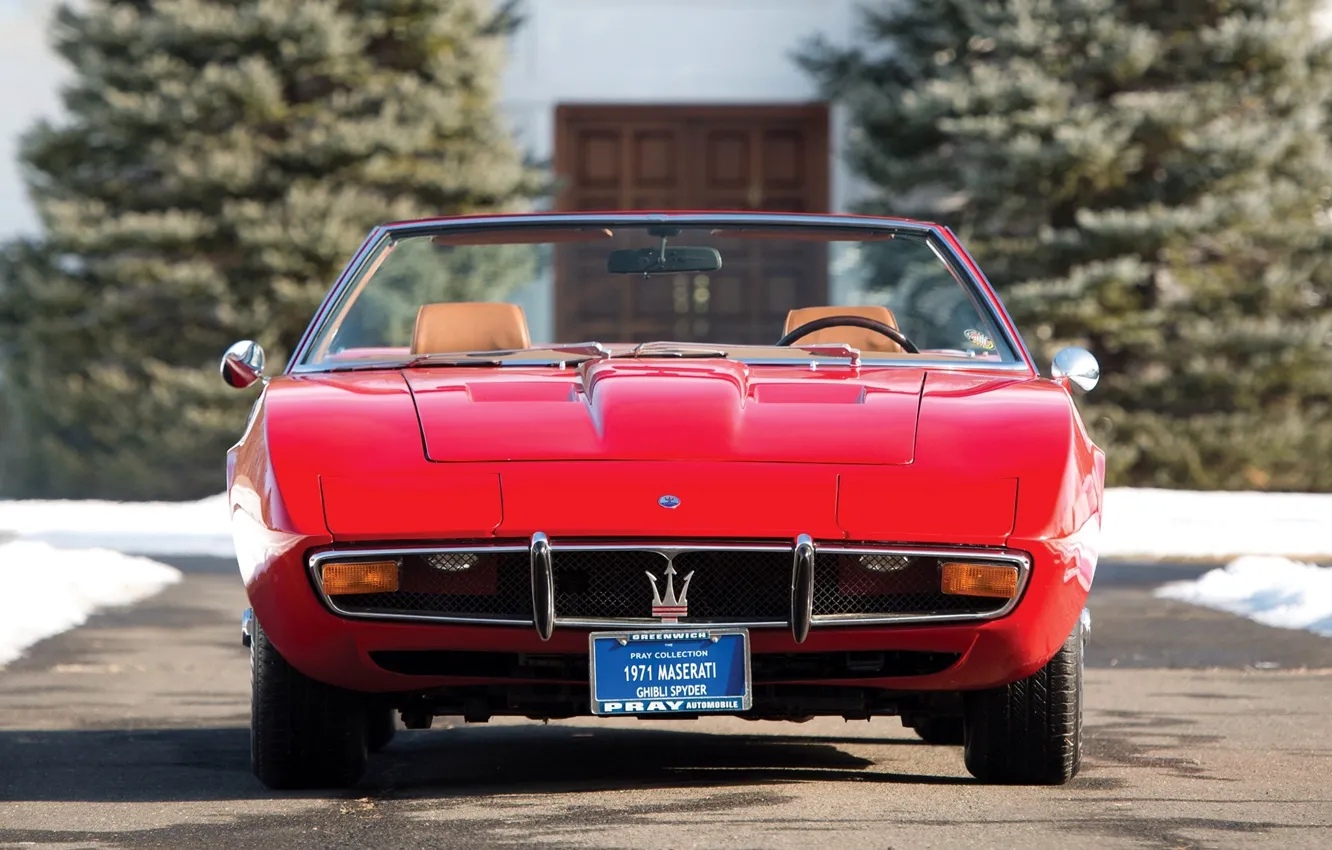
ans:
x=850 y=322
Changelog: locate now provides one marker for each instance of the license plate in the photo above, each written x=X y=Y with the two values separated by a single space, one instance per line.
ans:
x=689 y=671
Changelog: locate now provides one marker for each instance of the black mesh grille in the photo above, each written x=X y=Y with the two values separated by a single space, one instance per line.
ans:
x=460 y=584
x=723 y=585
x=888 y=584
x=738 y=585
x=605 y=585
x=733 y=586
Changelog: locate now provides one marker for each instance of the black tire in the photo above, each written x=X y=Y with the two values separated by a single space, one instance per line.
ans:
x=1029 y=732
x=380 y=727
x=303 y=733
x=941 y=731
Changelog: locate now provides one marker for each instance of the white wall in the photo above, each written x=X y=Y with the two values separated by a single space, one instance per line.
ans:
x=29 y=75
x=666 y=51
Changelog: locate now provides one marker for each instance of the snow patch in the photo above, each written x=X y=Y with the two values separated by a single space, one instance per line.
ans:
x=1272 y=591
x=1137 y=523
x=50 y=590
x=143 y=528
x=1150 y=524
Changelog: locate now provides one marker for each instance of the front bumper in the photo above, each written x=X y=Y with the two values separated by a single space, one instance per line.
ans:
x=990 y=651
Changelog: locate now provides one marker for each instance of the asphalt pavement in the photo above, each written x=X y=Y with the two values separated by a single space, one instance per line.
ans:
x=1203 y=730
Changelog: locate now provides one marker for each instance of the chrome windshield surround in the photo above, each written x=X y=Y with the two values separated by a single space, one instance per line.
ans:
x=814 y=365
x=939 y=237
x=941 y=364
x=670 y=549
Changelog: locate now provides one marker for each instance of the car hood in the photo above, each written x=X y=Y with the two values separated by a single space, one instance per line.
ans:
x=669 y=410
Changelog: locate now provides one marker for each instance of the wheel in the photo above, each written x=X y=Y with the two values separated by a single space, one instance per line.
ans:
x=380 y=727
x=1029 y=732
x=940 y=731
x=303 y=733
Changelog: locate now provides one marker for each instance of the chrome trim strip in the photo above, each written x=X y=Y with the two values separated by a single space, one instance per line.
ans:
x=630 y=218
x=428 y=616
x=1017 y=559
x=642 y=625
x=543 y=586
x=398 y=551
x=802 y=587
x=951 y=364
x=673 y=548
x=667 y=551
x=956 y=363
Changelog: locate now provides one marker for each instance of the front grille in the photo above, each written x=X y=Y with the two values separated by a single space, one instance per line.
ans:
x=717 y=584
x=723 y=585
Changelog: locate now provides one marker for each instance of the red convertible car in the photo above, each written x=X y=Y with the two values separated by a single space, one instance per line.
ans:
x=664 y=465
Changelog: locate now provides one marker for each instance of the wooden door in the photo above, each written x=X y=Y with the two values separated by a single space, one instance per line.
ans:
x=691 y=158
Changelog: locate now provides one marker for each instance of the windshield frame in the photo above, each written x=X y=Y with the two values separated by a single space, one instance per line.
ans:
x=941 y=239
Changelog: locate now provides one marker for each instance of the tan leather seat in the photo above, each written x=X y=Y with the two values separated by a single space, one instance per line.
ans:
x=469 y=326
x=861 y=338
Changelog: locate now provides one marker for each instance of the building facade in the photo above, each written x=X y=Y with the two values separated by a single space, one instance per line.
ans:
x=673 y=104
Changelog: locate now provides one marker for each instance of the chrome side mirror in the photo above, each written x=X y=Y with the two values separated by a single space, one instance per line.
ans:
x=243 y=364
x=1076 y=366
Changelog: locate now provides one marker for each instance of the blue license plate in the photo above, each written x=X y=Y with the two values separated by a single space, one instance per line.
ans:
x=686 y=671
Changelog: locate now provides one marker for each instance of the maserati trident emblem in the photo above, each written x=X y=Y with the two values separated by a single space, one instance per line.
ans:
x=669 y=501
x=668 y=607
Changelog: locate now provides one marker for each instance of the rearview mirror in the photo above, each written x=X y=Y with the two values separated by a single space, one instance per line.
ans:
x=243 y=364
x=646 y=261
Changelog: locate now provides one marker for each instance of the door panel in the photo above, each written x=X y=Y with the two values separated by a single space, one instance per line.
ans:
x=691 y=158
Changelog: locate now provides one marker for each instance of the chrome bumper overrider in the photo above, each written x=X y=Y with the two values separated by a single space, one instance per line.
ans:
x=801 y=617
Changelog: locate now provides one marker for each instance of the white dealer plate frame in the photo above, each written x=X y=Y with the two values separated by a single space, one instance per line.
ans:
x=746 y=700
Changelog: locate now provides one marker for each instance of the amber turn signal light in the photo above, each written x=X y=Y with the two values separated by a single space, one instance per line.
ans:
x=980 y=580
x=346 y=577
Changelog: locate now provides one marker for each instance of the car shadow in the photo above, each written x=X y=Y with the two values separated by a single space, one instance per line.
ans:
x=518 y=759
x=179 y=765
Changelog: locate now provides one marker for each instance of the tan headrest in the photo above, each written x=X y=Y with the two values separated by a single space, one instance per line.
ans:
x=469 y=326
x=861 y=338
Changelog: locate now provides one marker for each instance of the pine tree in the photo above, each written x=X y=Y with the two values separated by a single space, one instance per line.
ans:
x=1149 y=180
x=218 y=163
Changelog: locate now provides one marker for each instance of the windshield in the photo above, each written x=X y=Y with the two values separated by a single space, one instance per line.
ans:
x=528 y=293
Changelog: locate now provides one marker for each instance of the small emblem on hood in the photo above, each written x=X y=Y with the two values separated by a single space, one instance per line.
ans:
x=669 y=501
x=670 y=608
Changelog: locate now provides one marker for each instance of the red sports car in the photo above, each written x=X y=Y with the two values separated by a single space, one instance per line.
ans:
x=803 y=466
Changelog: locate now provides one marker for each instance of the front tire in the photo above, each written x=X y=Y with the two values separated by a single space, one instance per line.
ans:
x=380 y=727
x=303 y=733
x=1030 y=732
